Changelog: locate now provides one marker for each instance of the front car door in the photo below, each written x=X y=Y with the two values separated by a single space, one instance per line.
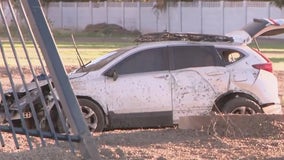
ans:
x=198 y=78
x=141 y=94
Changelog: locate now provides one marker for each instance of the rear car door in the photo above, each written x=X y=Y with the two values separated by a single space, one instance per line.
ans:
x=198 y=78
x=141 y=95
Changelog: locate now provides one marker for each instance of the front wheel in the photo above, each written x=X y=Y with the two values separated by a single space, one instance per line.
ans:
x=241 y=105
x=93 y=115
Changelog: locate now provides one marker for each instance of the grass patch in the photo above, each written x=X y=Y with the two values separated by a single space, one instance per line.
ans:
x=94 y=47
x=67 y=52
x=277 y=60
x=269 y=45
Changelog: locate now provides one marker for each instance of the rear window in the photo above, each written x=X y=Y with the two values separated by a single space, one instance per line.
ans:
x=230 y=56
x=254 y=27
x=194 y=56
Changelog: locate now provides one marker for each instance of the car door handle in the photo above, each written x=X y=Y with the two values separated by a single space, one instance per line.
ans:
x=163 y=76
x=215 y=73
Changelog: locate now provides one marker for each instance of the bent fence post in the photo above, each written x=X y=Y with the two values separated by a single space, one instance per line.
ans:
x=68 y=100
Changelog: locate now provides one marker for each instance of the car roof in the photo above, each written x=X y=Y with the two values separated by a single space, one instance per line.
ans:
x=258 y=27
x=172 y=36
x=187 y=43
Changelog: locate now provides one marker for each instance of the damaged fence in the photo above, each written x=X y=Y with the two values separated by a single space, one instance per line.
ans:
x=37 y=99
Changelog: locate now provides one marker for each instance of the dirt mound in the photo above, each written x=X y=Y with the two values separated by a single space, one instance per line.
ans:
x=265 y=142
x=109 y=29
x=280 y=77
x=234 y=125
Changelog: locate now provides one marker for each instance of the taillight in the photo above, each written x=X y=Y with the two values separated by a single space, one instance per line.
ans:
x=264 y=66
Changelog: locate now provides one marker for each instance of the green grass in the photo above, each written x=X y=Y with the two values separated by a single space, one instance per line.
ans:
x=270 y=45
x=87 y=50
x=67 y=52
x=277 y=60
x=94 y=45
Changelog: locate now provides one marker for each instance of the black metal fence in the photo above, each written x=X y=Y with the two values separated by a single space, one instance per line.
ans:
x=43 y=106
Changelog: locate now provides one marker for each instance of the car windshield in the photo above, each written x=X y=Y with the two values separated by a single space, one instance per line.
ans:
x=103 y=60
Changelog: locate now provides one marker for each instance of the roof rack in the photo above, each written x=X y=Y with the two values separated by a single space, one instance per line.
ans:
x=167 y=36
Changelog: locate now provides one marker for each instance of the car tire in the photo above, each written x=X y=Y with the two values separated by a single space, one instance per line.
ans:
x=241 y=105
x=93 y=115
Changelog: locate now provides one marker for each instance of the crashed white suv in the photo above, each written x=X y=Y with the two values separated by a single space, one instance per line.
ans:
x=154 y=84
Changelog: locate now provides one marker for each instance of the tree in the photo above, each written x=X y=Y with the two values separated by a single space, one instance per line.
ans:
x=278 y=3
x=162 y=4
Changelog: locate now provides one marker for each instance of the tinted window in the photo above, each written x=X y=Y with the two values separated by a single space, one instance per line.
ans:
x=144 y=61
x=194 y=56
x=230 y=56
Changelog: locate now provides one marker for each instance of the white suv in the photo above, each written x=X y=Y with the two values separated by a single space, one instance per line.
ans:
x=154 y=84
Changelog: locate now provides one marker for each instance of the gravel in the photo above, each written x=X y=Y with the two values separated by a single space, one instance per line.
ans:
x=263 y=142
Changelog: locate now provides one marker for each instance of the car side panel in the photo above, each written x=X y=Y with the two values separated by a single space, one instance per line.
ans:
x=195 y=90
x=90 y=85
x=141 y=120
x=266 y=88
x=139 y=96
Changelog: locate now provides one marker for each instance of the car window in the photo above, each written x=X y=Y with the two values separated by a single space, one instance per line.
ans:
x=155 y=59
x=104 y=60
x=230 y=56
x=194 y=56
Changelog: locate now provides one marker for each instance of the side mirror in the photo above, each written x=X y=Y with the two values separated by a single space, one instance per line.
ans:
x=112 y=73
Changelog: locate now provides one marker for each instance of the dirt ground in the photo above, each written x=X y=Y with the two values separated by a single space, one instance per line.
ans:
x=263 y=140
x=258 y=139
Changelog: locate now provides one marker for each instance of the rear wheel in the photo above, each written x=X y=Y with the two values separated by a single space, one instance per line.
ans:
x=241 y=105
x=93 y=115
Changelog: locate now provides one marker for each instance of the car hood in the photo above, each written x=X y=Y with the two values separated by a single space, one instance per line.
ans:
x=74 y=75
x=29 y=86
x=257 y=28
x=82 y=75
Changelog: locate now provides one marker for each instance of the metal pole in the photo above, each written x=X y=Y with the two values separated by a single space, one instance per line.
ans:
x=67 y=98
x=269 y=9
x=180 y=15
x=223 y=17
x=123 y=14
x=76 y=16
x=61 y=14
x=246 y=11
x=168 y=17
x=11 y=41
x=91 y=12
x=106 y=7
x=139 y=15
x=201 y=15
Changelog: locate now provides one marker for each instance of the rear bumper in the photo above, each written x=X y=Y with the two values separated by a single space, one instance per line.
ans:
x=273 y=109
x=265 y=88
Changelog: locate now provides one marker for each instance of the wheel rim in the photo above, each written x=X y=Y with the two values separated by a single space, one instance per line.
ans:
x=90 y=117
x=243 y=110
